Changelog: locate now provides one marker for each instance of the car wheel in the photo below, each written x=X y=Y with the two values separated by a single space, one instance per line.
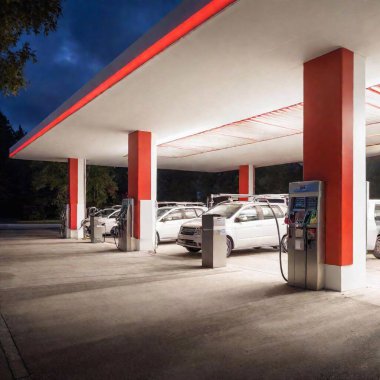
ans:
x=376 y=251
x=115 y=231
x=87 y=231
x=193 y=250
x=229 y=246
x=284 y=243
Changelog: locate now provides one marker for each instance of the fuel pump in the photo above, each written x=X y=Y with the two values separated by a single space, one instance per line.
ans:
x=306 y=235
x=125 y=240
x=97 y=229
x=214 y=241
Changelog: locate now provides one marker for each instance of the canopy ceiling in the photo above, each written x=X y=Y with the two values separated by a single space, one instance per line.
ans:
x=225 y=92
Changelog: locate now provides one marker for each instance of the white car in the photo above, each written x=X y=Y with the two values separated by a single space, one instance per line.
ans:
x=248 y=225
x=107 y=217
x=373 y=226
x=170 y=219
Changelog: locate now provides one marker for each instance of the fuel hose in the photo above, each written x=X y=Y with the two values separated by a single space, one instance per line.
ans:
x=279 y=240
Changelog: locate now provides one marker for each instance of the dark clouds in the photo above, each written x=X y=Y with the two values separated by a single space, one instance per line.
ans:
x=90 y=35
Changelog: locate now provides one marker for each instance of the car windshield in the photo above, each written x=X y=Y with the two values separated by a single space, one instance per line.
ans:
x=115 y=214
x=163 y=210
x=104 y=213
x=226 y=210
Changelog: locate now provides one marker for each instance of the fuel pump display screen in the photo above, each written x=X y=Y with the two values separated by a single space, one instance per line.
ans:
x=311 y=203
x=299 y=203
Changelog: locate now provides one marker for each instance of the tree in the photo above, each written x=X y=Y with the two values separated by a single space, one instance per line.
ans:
x=101 y=186
x=17 y=18
x=14 y=174
x=49 y=182
x=7 y=138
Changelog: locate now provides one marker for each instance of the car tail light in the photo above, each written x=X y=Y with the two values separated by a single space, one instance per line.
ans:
x=286 y=220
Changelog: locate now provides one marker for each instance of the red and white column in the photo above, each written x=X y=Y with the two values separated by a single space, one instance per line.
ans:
x=334 y=151
x=142 y=187
x=76 y=206
x=246 y=179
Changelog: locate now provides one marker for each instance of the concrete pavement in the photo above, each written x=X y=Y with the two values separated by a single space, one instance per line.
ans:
x=82 y=311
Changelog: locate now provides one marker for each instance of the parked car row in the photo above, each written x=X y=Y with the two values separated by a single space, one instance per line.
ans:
x=248 y=224
x=169 y=219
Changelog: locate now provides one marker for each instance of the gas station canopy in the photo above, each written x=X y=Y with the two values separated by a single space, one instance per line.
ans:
x=220 y=84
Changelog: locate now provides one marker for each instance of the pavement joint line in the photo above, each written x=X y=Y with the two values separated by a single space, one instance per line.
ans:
x=16 y=363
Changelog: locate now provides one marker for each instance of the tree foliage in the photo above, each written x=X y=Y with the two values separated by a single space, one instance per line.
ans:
x=178 y=185
x=101 y=186
x=14 y=175
x=49 y=185
x=17 y=19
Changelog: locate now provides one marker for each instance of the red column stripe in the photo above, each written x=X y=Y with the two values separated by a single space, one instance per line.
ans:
x=244 y=180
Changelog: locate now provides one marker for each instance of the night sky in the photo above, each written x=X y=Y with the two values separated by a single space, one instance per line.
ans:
x=90 y=34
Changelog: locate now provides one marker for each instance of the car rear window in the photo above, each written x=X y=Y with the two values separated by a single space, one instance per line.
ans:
x=268 y=214
x=250 y=214
x=175 y=215
x=278 y=211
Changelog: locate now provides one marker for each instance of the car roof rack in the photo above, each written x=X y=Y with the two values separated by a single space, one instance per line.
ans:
x=248 y=197
x=173 y=203
x=282 y=196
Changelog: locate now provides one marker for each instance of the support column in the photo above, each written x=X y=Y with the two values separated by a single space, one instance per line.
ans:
x=335 y=152
x=76 y=207
x=246 y=179
x=142 y=187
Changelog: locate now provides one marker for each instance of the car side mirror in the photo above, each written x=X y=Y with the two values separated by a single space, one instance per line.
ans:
x=167 y=219
x=240 y=219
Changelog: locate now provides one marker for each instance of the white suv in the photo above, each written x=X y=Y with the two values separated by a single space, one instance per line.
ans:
x=248 y=225
x=170 y=219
